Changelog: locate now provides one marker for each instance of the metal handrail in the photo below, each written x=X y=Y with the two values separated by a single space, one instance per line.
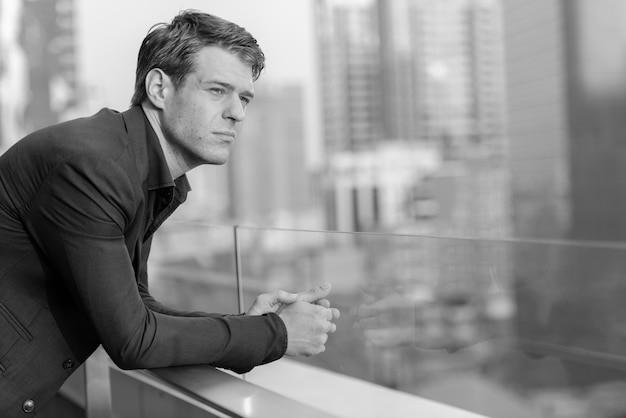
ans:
x=230 y=395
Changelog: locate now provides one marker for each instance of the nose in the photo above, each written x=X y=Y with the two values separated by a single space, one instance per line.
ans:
x=235 y=110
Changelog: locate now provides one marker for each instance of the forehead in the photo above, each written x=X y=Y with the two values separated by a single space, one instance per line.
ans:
x=214 y=63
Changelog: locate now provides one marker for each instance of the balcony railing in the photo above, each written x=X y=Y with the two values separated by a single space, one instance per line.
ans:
x=441 y=326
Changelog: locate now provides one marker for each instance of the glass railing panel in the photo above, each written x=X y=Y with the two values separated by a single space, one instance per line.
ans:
x=185 y=260
x=501 y=328
x=193 y=267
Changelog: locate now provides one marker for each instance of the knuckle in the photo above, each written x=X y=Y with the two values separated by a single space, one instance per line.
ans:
x=322 y=326
x=329 y=326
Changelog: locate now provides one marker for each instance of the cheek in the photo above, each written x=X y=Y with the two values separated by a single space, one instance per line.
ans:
x=193 y=119
x=196 y=118
x=189 y=122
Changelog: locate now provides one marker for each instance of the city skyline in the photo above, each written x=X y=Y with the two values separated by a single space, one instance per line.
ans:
x=348 y=105
x=419 y=76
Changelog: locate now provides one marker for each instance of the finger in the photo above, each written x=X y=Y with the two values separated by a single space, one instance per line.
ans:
x=315 y=294
x=327 y=313
x=323 y=302
x=271 y=302
x=326 y=303
x=280 y=296
x=333 y=328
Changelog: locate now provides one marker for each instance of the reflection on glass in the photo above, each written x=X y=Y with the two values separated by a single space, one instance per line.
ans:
x=192 y=268
x=501 y=328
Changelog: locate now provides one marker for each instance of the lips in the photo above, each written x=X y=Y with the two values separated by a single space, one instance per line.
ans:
x=225 y=135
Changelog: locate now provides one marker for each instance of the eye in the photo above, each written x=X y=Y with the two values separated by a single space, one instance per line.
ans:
x=218 y=90
x=245 y=100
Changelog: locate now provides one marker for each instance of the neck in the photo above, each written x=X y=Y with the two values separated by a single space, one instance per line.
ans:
x=153 y=115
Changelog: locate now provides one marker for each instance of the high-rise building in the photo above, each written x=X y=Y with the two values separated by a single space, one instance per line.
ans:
x=269 y=183
x=37 y=66
x=442 y=72
x=538 y=117
x=567 y=98
x=416 y=71
x=350 y=76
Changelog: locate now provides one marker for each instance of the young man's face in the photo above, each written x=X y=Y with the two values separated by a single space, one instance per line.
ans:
x=202 y=118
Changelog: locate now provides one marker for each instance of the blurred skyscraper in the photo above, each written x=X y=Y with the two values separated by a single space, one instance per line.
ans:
x=442 y=72
x=38 y=80
x=410 y=72
x=567 y=100
x=269 y=183
x=411 y=69
x=348 y=59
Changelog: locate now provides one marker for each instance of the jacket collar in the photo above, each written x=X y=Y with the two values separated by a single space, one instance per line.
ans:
x=158 y=175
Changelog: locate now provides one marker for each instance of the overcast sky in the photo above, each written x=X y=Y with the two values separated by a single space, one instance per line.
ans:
x=110 y=33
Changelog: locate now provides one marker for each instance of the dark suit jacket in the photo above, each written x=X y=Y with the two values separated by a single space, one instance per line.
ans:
x=79 y=202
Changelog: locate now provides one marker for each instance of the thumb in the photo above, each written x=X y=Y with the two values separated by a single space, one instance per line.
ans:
x=315 y=294
x=281 y=296
x=271 y=302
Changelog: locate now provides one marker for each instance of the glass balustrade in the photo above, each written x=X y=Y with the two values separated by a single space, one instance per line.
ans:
x=501 y=328
x=194 y=267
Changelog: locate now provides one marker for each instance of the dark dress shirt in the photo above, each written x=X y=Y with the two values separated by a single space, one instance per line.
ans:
x=79 y=202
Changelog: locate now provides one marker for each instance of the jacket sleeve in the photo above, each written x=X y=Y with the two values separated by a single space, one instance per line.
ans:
x=78 y=219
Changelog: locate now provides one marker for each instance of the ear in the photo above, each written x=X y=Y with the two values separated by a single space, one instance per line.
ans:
x=158 y=85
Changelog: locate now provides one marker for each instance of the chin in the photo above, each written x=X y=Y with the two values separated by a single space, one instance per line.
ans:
x=216 y=161
x=213 y=158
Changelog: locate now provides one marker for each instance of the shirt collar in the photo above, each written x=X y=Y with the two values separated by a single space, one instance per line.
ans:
x=159 y=175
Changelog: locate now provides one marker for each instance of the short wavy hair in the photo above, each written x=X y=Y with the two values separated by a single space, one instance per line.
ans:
x=173 y=47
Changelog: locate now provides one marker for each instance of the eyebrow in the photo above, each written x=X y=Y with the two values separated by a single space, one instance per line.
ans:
x=228 y=86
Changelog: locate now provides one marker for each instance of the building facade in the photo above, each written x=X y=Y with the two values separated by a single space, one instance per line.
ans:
x=38 y=65
x=416 y=72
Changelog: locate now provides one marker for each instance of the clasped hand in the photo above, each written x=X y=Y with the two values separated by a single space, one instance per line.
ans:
x=307 y=316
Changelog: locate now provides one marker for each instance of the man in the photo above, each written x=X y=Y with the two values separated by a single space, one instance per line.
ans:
x=79 y=203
